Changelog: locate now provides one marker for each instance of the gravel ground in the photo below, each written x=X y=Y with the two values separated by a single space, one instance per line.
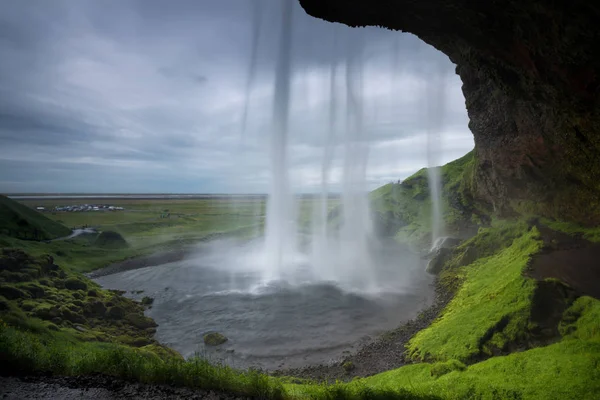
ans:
x=96 y=387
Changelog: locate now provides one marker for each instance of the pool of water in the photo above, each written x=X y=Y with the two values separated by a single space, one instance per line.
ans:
x=297 y=320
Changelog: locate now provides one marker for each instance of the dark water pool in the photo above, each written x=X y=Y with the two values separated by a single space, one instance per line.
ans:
x=274 y=324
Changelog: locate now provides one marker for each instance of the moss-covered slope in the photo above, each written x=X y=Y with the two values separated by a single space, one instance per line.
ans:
x=39 y=295
x=19 y=221
x=404 y=209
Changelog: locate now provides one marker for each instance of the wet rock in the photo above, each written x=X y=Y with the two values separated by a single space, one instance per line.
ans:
x=348 y=366
x=214 y=339
x=147 y=300
x=437 y=262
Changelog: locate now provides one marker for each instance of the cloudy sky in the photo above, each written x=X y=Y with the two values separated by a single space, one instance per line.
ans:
x=140 y=96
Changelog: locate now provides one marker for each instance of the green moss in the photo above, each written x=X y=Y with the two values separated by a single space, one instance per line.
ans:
x=403 y=210
x=12 y=293
x=490 y=310
x=75 y=284
x=442 y=368
x=140 y=321
x=582 y=320
x=590 y=233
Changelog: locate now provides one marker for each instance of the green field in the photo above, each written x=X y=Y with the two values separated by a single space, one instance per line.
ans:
x=148 y=226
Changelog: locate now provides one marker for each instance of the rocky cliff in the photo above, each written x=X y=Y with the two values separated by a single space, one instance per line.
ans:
x=530 y=72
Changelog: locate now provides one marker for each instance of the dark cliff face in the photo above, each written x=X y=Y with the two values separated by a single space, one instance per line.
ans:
x=531 y=79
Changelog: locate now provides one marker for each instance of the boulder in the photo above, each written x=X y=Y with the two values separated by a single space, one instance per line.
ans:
x=75 y=284
x=13 y=293
x=438 y=260
x=116 y=312
x=214 y=339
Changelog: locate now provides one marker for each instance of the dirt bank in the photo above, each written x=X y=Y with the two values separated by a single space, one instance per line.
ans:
x=570 y=259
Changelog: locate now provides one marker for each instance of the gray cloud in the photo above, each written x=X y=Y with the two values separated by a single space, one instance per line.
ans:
x=148 y=96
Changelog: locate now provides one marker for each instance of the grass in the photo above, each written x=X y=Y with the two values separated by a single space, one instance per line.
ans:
x=490 y=310
x=27 y=352
x=404 y=209
x=23 y=222
x=590 y=233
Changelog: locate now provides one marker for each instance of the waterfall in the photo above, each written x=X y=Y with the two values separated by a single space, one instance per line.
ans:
x=280 y=230
x=435 y=97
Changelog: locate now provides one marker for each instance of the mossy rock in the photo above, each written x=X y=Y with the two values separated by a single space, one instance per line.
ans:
x=31 y=272
x=115 y=312
x=78 y=303
x=36 y=291
x=348 y=366
x=13 y=293
x=214 y=339
x=79 y=295
x=110 y=239
x=10 y=276
x=52 y=326
x=75 y=284
x=140 y=321
x=44 y=282
x=46 y=311
x=28 y=305
x=92 y=293
x=4 y=304
x=164 y=353
x=147 y=300
x=95 y=308
x=69 y=314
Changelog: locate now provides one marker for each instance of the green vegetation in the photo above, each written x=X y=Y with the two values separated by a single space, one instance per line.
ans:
x=110 y=240
x=403 y=209
x=484 y=345
x=590 y=233
x=24 y=223
x=490 y=310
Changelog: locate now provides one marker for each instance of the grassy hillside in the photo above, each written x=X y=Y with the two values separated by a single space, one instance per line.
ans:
x=20 y=221
x=404 y=210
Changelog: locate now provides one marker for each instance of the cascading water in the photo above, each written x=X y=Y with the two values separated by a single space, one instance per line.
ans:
x=280 y=234
x=435 y=96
